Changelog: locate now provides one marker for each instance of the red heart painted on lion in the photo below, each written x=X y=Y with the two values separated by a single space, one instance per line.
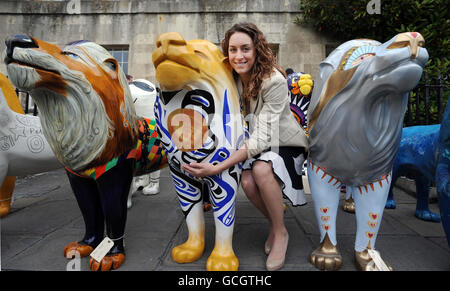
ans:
x=370 y=234
x=325 y=218
x=324 y=210
x=372 y=224
x=373 y=216
x=326 y=227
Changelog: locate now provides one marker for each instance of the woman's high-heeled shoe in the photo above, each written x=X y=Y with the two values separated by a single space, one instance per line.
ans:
x=276 y=264
x=273 y=265
x=267 y=247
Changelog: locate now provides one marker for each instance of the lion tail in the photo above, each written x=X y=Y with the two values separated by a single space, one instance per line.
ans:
x=9 y=95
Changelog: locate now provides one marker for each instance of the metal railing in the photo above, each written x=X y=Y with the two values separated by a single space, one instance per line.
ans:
x=427 y=101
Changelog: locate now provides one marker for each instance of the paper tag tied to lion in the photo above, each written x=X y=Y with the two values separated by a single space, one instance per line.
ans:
x=102 y=249
x=379 y=263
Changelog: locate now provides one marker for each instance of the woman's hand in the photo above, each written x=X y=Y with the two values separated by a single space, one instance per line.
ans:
x=201 y=170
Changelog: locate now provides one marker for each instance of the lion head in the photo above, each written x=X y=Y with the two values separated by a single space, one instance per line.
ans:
x=199 y=108
x=144 y=97
x=86 y=110
x=356 y=112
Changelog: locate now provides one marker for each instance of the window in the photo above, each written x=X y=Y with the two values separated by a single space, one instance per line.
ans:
x=275 y=48
x=120 y=53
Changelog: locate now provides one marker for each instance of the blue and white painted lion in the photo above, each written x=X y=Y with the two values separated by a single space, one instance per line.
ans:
x=199 y=119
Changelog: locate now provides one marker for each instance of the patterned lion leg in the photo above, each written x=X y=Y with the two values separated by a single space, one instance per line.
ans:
x=222 y=196
x=133 y=188
x=370 y=201
x=190 y=198
x=114 y=189
x=153 y=187
x=325 y=191
x=88 y=199
x=423 y=211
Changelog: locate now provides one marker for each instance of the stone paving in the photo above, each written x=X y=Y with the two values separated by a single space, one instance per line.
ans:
x=45 y=217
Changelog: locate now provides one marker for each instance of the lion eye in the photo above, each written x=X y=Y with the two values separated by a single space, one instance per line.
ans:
x=200 y=54
x=72 y=55
x=111 y=65
x=357 y=55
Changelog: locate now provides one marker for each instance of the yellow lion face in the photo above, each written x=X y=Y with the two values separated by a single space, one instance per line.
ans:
x=180 y=64
x=198 y=71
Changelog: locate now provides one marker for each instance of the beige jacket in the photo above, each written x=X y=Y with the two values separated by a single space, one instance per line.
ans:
x=271 y=122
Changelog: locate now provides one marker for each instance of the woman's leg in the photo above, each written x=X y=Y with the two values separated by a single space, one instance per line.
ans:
x=271 y=194
x=252 y=192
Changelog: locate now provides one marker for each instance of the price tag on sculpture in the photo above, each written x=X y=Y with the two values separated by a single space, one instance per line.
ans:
x=102 y=249
x=375 y=255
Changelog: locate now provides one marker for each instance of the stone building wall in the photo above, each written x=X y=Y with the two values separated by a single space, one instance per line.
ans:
x=136 y=25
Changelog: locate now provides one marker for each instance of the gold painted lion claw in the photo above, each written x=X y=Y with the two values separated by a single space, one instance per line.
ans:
x=365 y=263
x=326 y=256
x=349 y=205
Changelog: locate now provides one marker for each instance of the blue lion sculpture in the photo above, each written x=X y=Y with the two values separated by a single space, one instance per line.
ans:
x=416 y=159
x=443 y=172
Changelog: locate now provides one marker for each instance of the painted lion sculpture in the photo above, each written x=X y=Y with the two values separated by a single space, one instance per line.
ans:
x=199 y=120
x=300 y=87
x=23 y=147
x=88 y=118
x=355 y=122
x=417 y=159
x=143 y=93
x=443 y=172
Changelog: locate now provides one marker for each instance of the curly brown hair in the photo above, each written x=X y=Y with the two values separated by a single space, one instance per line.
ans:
x=264 y=61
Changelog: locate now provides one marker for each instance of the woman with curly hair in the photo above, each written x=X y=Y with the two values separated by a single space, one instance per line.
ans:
x=276 y=140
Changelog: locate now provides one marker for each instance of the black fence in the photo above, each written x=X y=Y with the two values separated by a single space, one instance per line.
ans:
x=427 y=101
x=26 y=101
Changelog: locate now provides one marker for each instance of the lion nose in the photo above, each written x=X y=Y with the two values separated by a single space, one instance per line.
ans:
x=18 y=40
x=169 y=38
x=412 y=40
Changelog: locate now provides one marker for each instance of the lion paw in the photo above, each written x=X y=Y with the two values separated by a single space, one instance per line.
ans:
x=365 y=263
x=427 y=215
x=71 y=250
x=349 y=205
x=326 y=261
x=222 y=261
x=188 y=252
x=326 y=256
x=4 y=209
x=108 y=263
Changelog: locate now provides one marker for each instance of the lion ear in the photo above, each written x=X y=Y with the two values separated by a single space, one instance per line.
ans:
x=225 y=60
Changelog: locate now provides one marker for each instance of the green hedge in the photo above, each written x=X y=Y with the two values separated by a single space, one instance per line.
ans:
x=343 y=20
